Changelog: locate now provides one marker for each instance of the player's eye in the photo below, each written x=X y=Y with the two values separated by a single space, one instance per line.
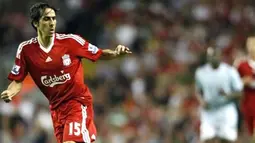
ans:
x=49 y=18
x=46 y=18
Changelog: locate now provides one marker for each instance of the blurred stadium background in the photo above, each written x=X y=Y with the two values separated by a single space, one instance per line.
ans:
x=147 y=97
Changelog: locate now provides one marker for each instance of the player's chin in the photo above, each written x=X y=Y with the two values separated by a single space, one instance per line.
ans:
x=51 y=34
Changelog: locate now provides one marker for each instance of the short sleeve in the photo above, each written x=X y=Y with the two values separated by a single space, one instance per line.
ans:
x=243 y=71
x=19 y=69
x=82 y=48
x=236 y=81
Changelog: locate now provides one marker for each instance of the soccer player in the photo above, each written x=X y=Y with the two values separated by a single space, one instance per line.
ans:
x=54 y=62
x=217 y=84
x=246 y=69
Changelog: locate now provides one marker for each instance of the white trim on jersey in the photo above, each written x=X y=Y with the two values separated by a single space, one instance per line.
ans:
x=20 y=49
x=47 y=49
x=84 y=131
x=72 y=36
x=21 y=45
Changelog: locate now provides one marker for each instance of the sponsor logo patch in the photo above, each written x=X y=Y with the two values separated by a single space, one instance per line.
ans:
x=15 y=69
x=93 y=49
x=51 y=81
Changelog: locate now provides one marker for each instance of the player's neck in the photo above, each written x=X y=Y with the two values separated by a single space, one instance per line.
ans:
x=45 y=41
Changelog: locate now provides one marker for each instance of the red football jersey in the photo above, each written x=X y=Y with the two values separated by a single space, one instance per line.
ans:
x=246 y=68
x=56 y=70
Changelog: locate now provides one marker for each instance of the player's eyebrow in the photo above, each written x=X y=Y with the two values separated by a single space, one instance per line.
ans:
x=49 y=16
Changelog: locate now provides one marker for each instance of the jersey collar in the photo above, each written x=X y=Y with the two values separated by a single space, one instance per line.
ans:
x=209 y=66
x=47 y=49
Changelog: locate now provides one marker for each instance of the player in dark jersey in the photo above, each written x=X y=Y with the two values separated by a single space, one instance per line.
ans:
x=54 y=62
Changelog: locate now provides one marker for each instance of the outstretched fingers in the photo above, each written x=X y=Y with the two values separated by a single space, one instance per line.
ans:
x=6 y=96
x=122 y=50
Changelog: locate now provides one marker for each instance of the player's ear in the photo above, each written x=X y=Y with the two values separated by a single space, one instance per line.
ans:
x=35 y=24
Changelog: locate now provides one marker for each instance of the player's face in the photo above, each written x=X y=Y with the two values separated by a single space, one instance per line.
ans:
x=47 y=23
x=214 y=58
x=251 y=46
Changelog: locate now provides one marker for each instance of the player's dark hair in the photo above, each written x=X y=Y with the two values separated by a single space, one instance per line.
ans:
x=37 y=10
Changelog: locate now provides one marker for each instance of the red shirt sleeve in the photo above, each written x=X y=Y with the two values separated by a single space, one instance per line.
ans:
x=243 y=70
x=19 y=70
x=84 y=49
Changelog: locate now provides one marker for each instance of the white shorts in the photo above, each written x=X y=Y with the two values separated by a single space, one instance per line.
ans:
x=221 y=123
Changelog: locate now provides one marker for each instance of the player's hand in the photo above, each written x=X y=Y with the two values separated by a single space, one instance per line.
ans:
x=7 y=95
x=204 y=104
x=122 y=50
x=247 y=80
x=222 y=93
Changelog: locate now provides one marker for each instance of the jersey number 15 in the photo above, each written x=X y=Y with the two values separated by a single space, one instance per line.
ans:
x=74 y=128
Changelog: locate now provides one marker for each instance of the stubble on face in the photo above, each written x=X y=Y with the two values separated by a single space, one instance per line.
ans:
x=47 y=23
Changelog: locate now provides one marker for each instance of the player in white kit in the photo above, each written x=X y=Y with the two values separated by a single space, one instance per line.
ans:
x=217 y=84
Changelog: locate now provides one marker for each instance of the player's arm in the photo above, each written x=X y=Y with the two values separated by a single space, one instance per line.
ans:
x=199 y=96
x=199 y=92
x=108 y=54
x=248 y=81
x=82 y=48
x=233 y=95
x=245 y=75
x=17 y=75
x=13 y=89
x=236 y=85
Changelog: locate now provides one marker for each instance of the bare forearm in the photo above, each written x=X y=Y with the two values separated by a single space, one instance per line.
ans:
x=108 y=54
x=248 y=81
x=235 y=95
x=15 y=87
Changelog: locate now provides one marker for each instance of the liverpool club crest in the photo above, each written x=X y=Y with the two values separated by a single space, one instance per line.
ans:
x=66 y=60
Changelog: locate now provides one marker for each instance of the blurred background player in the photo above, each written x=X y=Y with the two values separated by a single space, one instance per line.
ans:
x=246 y=69
x=217 y=84
x=54 y=62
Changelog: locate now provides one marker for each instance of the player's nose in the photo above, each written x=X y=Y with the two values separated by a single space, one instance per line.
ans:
x=52 y=23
